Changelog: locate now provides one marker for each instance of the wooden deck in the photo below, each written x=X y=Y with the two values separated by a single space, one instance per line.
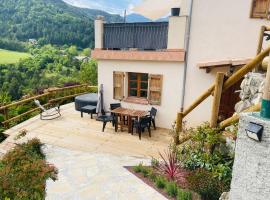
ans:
x=84 y=134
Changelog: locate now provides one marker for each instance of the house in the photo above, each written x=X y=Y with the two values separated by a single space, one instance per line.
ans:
x=82 y=58
x=33 y=41
x=168 y=65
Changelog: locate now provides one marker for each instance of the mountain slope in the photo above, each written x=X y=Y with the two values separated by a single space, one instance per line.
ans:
x=137 y=18
x=49 y=21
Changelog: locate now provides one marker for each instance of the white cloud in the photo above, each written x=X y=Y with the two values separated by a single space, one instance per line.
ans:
x=155 y=9
x=111 y=6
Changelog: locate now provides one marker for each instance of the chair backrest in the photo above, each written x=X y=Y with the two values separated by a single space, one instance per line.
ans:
x=153 y=112
x=115 y=105
x=146 y=120
x=39 y=105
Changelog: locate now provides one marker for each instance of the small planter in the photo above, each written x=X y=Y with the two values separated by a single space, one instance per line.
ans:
x=175 y=11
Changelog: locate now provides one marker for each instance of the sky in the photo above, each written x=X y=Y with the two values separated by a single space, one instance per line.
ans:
x=152 y=9
x=111 y=6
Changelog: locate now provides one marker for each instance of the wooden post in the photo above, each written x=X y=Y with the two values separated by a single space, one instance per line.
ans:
x=216 y=101
x=261 y=36
x=265 y=110
x=6 y=117
x=260 y=44
x=178 y=128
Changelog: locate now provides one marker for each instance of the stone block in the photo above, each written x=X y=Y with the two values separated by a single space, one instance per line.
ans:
x=251 y=170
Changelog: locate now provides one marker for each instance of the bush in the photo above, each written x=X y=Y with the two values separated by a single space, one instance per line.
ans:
x=160 y=182
x=203 y=182
x=138 y=168
x=24 y=171
x=152 y=175
x=206 y=150
x=145 y=171
x=183 y=195
x=171 y=189
x=2 y=136
x=154 y=162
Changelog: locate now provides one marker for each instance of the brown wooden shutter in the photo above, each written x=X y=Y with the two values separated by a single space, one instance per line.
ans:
x=118 y=85
x=260 y=9
x=155 y=89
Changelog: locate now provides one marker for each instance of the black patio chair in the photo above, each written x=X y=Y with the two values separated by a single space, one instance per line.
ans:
x=105 y=119
x=153 y=113
x=112 y=107
x=115 y=105
x=141 y=125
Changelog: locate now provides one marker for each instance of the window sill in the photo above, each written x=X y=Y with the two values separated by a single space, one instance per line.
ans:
x=136 y=100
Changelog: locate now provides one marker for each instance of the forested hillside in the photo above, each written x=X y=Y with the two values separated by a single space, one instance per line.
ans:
x=49 y=66
x=49 y=21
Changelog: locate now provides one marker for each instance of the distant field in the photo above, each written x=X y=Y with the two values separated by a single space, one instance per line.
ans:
x=10 y=57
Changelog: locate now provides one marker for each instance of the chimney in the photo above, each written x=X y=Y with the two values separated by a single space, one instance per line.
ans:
x=177 y=27
x=99 y=31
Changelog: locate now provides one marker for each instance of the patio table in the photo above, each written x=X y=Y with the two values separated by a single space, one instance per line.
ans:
x=129 y=113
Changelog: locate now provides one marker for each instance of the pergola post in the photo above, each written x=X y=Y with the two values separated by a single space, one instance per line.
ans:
x=217 y=97
x=265 y=110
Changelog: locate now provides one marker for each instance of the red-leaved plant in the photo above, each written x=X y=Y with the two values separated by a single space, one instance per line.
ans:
x=171 y=168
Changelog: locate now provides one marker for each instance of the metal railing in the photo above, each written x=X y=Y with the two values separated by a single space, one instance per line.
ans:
x=146 y=36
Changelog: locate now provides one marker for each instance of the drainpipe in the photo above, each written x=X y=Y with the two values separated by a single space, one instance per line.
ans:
x=187 y=40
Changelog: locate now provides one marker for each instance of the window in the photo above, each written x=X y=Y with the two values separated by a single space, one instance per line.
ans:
x=137 y=85
x=145 y=88
x=260 y=9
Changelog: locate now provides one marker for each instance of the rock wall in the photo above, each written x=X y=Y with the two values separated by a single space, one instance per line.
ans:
x=251 y=91
x=251 y=169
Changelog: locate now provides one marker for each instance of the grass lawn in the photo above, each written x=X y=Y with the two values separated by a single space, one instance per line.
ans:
x=10 y=57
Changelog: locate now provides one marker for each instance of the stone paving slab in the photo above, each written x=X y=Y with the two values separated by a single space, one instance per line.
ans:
x=95 y=176
x=70 y=131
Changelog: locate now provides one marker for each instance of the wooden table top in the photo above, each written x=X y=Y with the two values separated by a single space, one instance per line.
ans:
x=129 y=112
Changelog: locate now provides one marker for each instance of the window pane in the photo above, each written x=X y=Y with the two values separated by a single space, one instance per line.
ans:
x=144 y=77
x=133 y=84
x=143 y=93
x=133 y=93
x=144 y=85
x=132 y=76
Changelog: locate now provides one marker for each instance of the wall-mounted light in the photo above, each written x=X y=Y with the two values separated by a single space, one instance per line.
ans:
x=254 y=131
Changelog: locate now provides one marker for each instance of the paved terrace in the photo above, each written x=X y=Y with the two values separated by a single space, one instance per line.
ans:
x=90 y=162
x=83 y=134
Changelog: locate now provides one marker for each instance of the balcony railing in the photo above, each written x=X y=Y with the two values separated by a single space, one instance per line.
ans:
x=27 y=109
x=145 y=36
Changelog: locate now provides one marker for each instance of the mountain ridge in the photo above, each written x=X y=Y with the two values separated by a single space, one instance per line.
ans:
x=49 y=21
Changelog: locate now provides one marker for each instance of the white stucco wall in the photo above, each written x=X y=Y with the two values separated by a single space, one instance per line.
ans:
x=171 y=92
x=220 y=30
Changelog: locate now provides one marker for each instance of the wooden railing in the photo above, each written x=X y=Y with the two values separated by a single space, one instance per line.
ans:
x=21 y=110
x=216 y=90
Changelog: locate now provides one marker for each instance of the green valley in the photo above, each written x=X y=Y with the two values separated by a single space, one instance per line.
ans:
x=11 y=57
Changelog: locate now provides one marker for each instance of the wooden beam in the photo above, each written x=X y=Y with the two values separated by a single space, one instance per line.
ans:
x=23 y=101
x=66 y=97
x=235 y=118
x=247 y=68
x=199 y=100
x=217 y=97
x=24 y=114
x=178 y=128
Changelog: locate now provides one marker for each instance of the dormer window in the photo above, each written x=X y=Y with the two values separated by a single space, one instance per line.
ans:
x=260 y=9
